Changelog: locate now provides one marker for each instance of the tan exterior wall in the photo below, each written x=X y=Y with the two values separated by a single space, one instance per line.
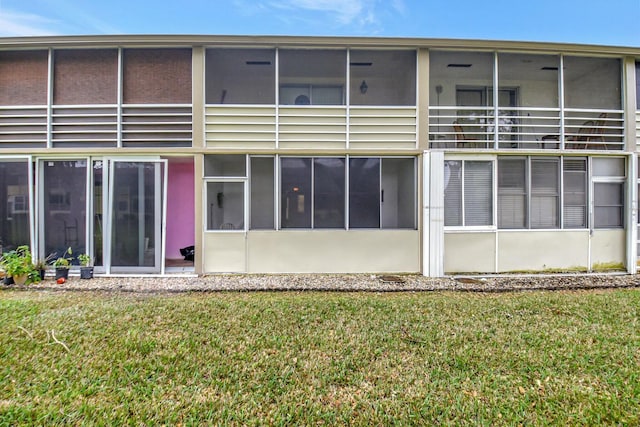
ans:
x=608 y=247
x=540 y=250
x=469 y=253
x=335 y=251
x=224 y=253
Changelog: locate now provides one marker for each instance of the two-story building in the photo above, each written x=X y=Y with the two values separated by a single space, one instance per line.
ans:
x=316 y=154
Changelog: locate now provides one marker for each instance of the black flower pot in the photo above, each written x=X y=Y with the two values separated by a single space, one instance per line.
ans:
x=62 y=273
x=86 y=272
x=8 y=280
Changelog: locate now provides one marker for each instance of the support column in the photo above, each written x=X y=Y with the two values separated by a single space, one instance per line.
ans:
x=422 y=99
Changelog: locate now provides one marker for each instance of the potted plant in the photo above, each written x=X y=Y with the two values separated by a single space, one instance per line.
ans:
x=63 y=264
x=86 y=269
x=17 y=264
x=40 y=266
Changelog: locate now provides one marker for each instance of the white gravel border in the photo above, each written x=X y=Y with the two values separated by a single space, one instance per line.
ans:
x=337 y=282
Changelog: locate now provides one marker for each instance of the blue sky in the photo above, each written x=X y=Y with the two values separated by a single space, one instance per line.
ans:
x=612 y=22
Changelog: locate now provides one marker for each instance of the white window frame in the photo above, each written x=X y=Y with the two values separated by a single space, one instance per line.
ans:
x=593 y=180
x=219 y=179
x=494 y=193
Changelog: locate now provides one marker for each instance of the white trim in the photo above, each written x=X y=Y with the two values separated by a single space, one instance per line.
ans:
x=50 y=70
x=632 y=217
x=161 y=210
x=277 y=97
x=347 y=100
x=561 y=143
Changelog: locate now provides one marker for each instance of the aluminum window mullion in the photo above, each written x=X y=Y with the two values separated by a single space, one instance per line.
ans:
x=277 y=97
x=462 y=193
x=247 y=193
x=50 y=98
x=496 y=98
x=561 y=99
x=380 y=193
x=277 y=193
x=313 y=191
x=527 y=199
x=561 y=195
x=119 y=100
x=348 y=98
x=346 y=191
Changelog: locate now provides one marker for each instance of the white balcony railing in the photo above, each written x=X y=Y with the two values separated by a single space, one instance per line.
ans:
x=84 y=125
x=157 y=125
x=252 y=126
x=318 y=126
x=388 y=127
x=526 y=128
x=24 y=126
x=231 y=126
x=96 y=126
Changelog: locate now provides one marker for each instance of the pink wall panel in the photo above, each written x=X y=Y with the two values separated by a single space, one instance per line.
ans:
x=180 y=207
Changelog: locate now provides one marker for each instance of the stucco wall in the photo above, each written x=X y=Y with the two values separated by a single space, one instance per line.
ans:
x=540 y=250
x=180 y=207
x=469 y=252
x=311 y=251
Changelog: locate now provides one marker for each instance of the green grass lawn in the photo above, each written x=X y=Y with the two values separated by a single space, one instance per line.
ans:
x=562 y=358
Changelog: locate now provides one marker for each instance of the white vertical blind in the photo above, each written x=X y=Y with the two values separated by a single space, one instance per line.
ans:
x=478 y=199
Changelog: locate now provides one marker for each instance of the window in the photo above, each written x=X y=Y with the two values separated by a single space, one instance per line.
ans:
x=608 y=192
x=545 y=193
x=316 y=185
x=474 y=180
x=313 y=192
x=225 y=189
x=382 y=193
x=328 y=192
x=225 y=201
x=575 y=192
x=528 y=192
x=512 y=193
x=262 y=185
x=364 y=193
x=225 y=165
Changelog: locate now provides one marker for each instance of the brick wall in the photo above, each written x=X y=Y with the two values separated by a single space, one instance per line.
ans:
x=23 y=77
x=157 y=76
x=85 y=77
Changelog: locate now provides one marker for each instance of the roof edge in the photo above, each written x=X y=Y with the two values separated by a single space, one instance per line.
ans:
x=149 y=40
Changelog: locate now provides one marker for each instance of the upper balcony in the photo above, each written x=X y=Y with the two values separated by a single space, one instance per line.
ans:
x=313 y=98
x=542 y=102
x=90 y=98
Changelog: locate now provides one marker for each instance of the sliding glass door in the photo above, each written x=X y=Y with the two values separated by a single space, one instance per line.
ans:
x=136 y=205
x=63 y=207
